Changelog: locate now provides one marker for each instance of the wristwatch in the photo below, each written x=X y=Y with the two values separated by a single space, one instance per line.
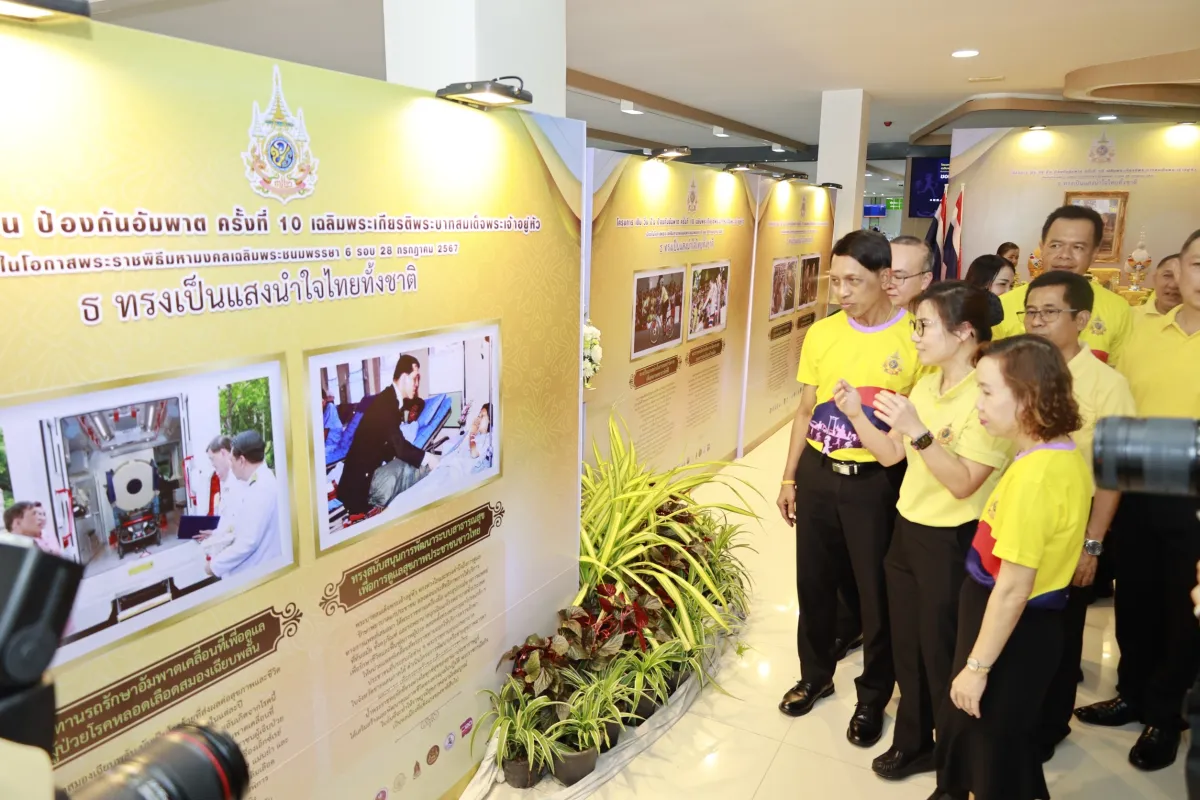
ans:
x=975 y=666
x=1093 y=547
x=922 y=441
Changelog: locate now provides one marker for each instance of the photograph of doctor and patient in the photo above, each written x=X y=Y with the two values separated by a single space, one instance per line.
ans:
x=402 y=425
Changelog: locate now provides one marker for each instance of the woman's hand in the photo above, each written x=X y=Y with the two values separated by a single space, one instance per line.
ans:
x=898 y=412
x=848 y=400
x=967 y=691
x=787 y=503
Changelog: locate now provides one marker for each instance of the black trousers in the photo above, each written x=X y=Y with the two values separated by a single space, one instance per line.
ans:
x=843 y=530
x=1158 y=547
x=925 y=570
x=1060 y=697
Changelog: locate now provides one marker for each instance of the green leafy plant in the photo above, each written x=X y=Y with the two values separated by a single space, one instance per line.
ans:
x=521 y=723
x=647 y=673
x=581 y=719
x=611 y=689
x=538 y=664
x=724 y=540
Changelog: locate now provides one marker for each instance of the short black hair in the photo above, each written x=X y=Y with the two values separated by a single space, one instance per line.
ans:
x=959 y=303
x=250 y=446
x=1190 y=240
x=913 y=241
x=1077 y=213
x=869 y=248
x=1077 y=292
x=219 y=443
x=1165 y=259
x=983 y=271
x=1004 y=248
x=405 y=366
x=16 y=511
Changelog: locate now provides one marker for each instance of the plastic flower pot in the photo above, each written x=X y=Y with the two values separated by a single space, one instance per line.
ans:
x=645 y=707
x=613 y=731
x=519 y=775
x=571 y=768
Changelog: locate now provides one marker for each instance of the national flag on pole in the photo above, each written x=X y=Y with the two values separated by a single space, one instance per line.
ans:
x=941 y=221
x=952 y=250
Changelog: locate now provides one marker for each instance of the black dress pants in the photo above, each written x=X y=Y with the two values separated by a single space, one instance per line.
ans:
x=925 y=570
x=843 y=530
x=1159 y=545
x=1060 y=697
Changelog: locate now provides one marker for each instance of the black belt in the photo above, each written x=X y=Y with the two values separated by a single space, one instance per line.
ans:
x=850 y=468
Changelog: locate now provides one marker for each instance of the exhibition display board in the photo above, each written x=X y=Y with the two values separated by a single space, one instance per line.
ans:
x=376 y=294
x=1141 y=178
x=670 y=283
x=791 y=268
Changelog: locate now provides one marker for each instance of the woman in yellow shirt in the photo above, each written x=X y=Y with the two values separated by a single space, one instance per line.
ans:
x=953 y=463
x=1019 y=567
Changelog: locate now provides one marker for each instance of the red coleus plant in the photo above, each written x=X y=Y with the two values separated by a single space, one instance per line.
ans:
x=610 y=623
x=538 y=664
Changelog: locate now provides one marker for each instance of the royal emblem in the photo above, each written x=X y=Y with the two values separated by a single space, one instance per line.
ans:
x=893 y=366
x=1098 y=326
x=945 y=436
x=804 y=206
x=279 y=163
x=991 y=512
x=1103 y=151
x=693 y=198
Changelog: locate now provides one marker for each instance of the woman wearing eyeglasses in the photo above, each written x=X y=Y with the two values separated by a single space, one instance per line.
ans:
x=953 y=463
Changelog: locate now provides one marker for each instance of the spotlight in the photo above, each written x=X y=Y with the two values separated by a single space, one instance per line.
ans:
x=1037 y=127
x=1108 y=118
x=831 y=185
x=776 y=148
x=886 y=179
x=870 y=175
x=488 y=94
x=38 y=10
x=669 y=153
x=964 y=53
x=719 y=132
x=627 y=108
x=737 y=168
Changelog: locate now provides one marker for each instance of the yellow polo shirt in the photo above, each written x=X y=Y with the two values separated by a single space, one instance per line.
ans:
x=954 y=422
x=870 y=359
x=1161 y=364
x=1101 y=392
x=1106 y=334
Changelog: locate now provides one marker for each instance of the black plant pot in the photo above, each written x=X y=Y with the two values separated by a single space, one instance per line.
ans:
x=673 y=681
x=613 y=731
x=571 y=768
x=645 y=707
x=518 y=774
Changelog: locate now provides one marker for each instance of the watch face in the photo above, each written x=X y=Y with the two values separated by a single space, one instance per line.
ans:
x=1093 y=548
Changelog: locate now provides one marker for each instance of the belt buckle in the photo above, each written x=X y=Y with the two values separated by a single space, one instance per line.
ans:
x=844 y=467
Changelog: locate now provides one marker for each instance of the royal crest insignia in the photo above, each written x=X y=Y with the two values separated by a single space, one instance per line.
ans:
x=893 y=366
x=1103 y=151
x=693 y=197
x=279 y=161
x=1098 y=326
x=945 y=436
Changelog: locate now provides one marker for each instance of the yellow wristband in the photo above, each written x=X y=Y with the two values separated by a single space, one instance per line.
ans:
x=787 y=483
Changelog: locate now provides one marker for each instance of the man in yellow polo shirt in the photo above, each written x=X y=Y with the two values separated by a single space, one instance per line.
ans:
x=1157 y=634
x=1058 y=307
x=1164 y=295
x=1070 y=241
x=840 y=498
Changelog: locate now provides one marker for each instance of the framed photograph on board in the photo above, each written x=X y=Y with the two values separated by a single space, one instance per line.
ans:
x=783 y=286
x=657 y=310
x=810 y=268
x=1111 y=208
x=709 y=299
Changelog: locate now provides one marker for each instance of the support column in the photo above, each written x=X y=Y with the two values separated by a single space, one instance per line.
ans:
x=842 y=155
x=432 y=44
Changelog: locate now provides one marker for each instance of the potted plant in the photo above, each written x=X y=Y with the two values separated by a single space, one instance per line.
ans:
x=614 y=695
x=646 y=676
x=581 y=731
x=521 y=723
x=538 y=664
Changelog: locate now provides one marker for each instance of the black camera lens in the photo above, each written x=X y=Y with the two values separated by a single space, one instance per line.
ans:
x=1149 y=456
x=189 y=762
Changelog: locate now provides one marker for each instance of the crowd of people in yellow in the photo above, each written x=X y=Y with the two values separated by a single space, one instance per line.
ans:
x=939 y=478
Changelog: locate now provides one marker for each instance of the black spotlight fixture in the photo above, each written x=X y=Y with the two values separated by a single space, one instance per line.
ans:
x=488 y=94
x=671 y=153
x=737 y=168
x=39 y=10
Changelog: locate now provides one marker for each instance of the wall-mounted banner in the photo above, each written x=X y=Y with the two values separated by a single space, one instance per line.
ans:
x=680 y=237
x=274 y=329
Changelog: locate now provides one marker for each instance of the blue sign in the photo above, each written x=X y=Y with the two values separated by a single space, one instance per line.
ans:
x=928 y=182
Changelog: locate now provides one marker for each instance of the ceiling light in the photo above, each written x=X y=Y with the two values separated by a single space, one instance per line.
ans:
x=887 y=179
x=986 y=79
x=1108 y=118
x=738 y=168
x=488 y=94
x=22 y=11
x=776 y=148
x=719 y=132
x=1037 y=127
x=627 y=108
x=964 y=53
x=668 y=153
x=38 y=10
x=870 y=174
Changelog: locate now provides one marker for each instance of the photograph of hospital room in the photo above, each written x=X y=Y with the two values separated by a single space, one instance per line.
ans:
x=710 y=299
x=401 y=425
x=165 y=492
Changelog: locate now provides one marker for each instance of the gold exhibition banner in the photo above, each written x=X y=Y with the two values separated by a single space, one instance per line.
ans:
x=375 y=295
x=795 y=231
x=670 y=284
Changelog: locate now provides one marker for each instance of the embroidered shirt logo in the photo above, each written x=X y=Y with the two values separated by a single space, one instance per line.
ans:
x=945 y=436
x=893 y=366
x=1098 y=326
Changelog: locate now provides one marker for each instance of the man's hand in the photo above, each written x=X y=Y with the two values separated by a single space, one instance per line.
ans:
x=208 y=570
x=1196 y=592
x=200 y=537
x=787 y=503
x=1085 y=572
x=847 y=399
x=431 y=461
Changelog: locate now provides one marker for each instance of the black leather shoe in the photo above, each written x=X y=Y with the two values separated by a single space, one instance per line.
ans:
x=801 y=698
x=866 y=726
x=896 y=765
x=1156 y=749
x=843 y=648
x=1110 y=713
x=938 y=794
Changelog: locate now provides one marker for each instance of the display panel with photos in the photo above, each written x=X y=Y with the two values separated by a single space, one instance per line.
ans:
x=810 y=272
x=657 y=310
x=1111 y=207
x=144 y=484
x=783 y=286
x=709 y=299
x=402 y=424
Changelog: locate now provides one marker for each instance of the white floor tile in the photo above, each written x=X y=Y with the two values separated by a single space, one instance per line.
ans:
x=798 y=773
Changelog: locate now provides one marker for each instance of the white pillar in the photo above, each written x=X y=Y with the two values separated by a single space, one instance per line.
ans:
x=430 y=44
x=842 y=153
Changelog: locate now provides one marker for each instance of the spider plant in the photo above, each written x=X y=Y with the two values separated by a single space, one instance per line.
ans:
x=520 y=723
x=647 y=673
x=581 y=719
x=635 y=532
x=611 y=691
x=728 y=571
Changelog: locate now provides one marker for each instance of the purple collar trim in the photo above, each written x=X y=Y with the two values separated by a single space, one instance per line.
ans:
x=1068 y=446
x=858 y=326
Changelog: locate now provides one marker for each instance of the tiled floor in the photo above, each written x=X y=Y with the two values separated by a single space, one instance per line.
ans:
x=740 y=747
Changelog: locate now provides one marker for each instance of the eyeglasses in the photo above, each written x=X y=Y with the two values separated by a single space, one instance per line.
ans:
x=918 y=325
x=1047 y=315
x=903 y=278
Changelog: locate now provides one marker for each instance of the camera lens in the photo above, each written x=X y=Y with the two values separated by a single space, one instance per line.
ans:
x=1150 y=456
x=189 y=762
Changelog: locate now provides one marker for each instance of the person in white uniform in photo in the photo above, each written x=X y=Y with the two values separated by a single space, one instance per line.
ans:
x=256 y=525
x=220 y=455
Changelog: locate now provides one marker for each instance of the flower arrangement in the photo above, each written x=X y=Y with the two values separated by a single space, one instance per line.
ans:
x=593 y=354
